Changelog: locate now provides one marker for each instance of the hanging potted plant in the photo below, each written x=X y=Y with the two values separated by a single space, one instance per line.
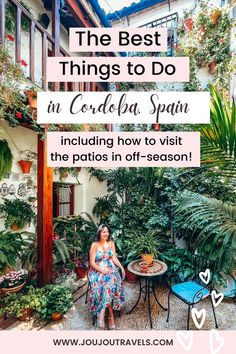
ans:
x=31 y=95
x=27 y=159
x=17 y=213
x=11 y=248
x=6 y=159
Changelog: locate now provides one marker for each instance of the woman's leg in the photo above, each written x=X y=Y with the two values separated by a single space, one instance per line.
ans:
x=111 y=320
x=101 y=319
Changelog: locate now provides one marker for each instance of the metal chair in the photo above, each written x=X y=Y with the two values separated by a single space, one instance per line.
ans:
x=192 y=290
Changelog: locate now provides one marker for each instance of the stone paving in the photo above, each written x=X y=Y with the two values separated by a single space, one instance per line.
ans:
x=79 y=318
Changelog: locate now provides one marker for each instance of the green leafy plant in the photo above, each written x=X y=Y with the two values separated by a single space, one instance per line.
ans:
x=143 y=244
x=218 y=140
x=54 y=299
x=212 y=224
x=17 y=211
x=16 y=304
x=6 y=159
x=11 y=247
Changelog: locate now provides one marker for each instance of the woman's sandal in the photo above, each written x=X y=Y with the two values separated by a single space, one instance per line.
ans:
x=111 y=323
x=101 y=322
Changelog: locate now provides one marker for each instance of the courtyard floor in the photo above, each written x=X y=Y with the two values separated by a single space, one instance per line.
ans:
x=79 y=317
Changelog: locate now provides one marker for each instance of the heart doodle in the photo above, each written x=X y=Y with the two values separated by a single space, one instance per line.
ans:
x=216 y=298
x=205 y=276
x=185 y=339
x=196 y=315
x=216 y=342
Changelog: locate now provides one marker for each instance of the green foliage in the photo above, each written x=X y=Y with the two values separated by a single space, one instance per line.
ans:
x=218 y=140
x=11 y=247
x=210 y=226
x=104 y=206
x=17 y=211
x=6 y=159
x=54 y=299
x=143 y=243
x=15 y=304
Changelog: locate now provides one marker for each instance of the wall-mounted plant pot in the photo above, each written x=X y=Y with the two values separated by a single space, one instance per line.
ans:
x=56 y=316
x=31 y=96
x=212 y=67
x=64 y=175
x=15 y=227
x=156 y=126
x=25 y=165
x=215 y=16
x=188 y=24
x=27 y=313
x=78 y=169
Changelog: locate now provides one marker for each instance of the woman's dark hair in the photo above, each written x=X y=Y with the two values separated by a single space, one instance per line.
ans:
x=99 y=230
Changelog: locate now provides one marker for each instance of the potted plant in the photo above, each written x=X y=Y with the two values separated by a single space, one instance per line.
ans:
x=31 y=95
x=55 y=301
x=13 y=281
x=17 y=213
x=27 y=159
x=22 y=305
x=215 y=14
x=145 y=246
x=6 y=159
x=11 y=247
x=98 y=173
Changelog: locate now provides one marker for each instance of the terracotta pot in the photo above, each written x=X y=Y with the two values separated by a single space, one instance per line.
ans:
x=143 y=267
x=212 y=67
x=31 y=96
x=27 y=313
x=188 y=24
x=78 y=169
x=13 y=290
x=56 y=316
x=25 y=165
x=80 y=272
x=130 y=277
x=156 y=126
x=147 y=257
x=14 y=227
x=215 y=16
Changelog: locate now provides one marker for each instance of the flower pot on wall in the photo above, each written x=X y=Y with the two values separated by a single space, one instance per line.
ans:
x=31 y=96
x=215 y=16
x=15 y=227
x=25 y=165
x=188 y=24
x=156 y=126
x=212 y=67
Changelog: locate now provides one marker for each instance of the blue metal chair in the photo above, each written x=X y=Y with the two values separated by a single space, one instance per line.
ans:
x=192 y=290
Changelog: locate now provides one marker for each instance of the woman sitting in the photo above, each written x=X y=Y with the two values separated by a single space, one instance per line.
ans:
x=107 y=289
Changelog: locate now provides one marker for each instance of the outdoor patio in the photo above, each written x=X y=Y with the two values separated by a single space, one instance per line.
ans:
x=80 y=318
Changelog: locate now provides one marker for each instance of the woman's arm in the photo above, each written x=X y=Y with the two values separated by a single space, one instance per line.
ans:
x=92 y=255
x=116 y=260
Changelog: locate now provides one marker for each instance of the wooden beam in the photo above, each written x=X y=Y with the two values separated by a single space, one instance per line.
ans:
x=77 y=13
x=18 y=35
x=44 y=61
x=2 y=21
x=32 y=38
x=44 y=216
x=56 y=35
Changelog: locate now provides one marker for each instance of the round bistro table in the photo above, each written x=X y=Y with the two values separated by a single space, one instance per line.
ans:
x=157 y=269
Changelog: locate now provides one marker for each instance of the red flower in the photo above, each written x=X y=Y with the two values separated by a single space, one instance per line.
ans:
x=220 y=40
x=23 y=62
x=18 y=115
x=10 y=37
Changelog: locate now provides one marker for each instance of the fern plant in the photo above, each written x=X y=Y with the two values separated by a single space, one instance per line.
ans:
x=212 y=227
x=6 y=159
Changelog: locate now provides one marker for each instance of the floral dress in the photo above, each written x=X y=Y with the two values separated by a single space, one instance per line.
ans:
x=105 y=289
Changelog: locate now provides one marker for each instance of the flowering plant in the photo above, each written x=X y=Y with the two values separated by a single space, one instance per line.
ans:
x=13 y=278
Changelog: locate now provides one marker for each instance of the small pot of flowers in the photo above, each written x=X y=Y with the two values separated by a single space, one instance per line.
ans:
x=13 y=281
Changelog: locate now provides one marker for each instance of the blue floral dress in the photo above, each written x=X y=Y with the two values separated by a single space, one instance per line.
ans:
x=105 y=289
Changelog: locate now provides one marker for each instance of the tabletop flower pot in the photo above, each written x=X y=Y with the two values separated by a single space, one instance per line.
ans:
x=147 y=257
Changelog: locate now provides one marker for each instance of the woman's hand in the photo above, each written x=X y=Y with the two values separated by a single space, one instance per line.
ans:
x=123 y=273
x=106 y=271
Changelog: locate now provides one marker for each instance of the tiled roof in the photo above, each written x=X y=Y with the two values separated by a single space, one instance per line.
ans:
x=134 y=7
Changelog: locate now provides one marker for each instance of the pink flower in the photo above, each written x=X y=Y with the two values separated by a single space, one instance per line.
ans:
x=220 y=40
x=23 y=62
x=10 y=37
